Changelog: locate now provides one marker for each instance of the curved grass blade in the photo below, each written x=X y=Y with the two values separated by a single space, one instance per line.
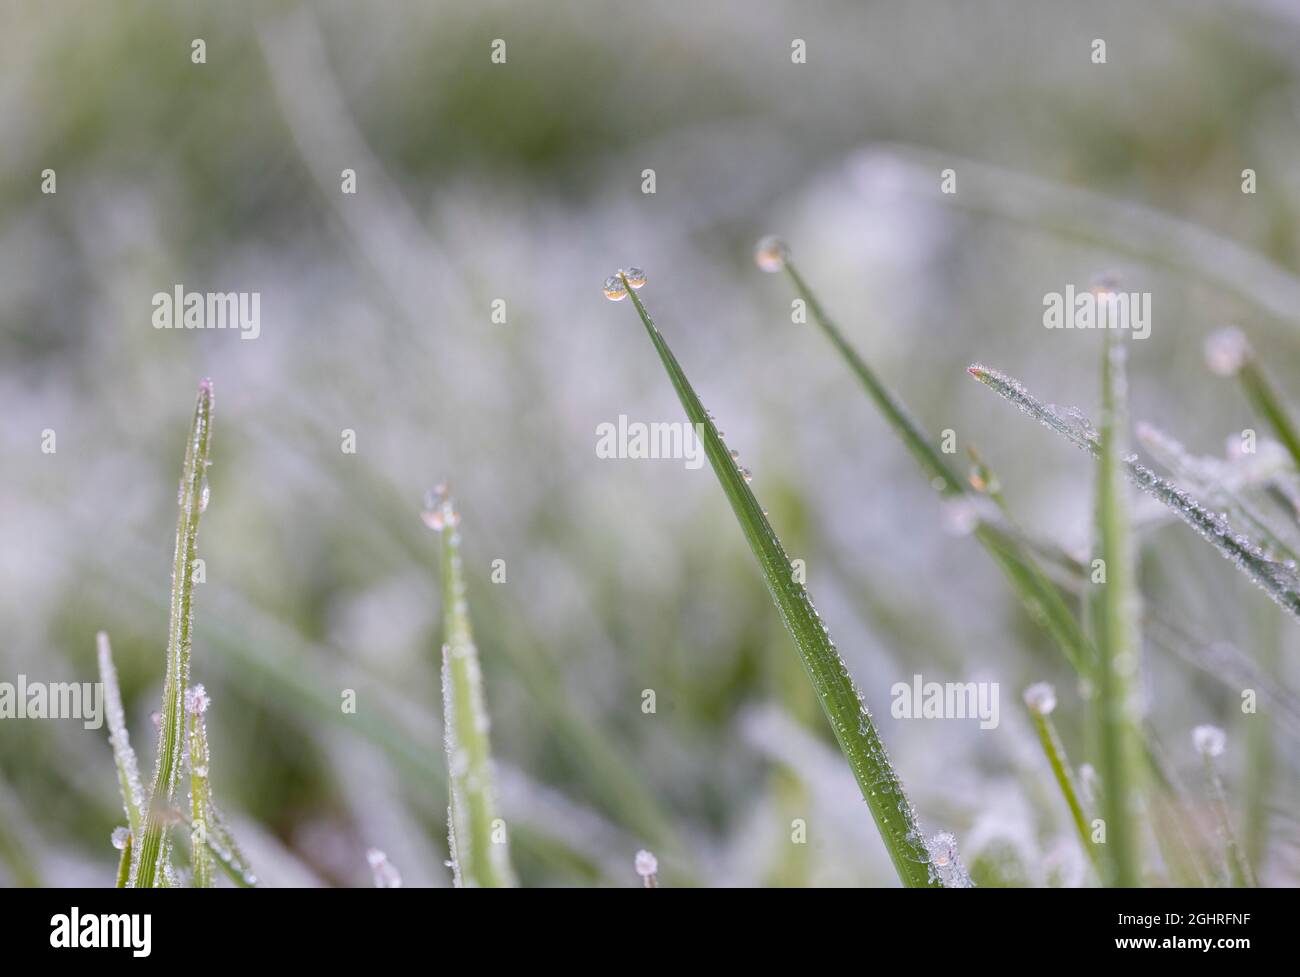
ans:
x=128 y=770
x=850 y=721
x=1277 y=579
x=151 y=859
x=1117 y=635
x=480 y=856
x=1035 y=588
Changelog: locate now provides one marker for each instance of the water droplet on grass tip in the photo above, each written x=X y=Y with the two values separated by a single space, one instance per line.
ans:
x=1041 y=698
x=647 y=866
x=615 y=291
x=1226 y=351
x=635 y=277
x=439 y=513
x=1209 y=740
x=771 y=253
x=386 y=875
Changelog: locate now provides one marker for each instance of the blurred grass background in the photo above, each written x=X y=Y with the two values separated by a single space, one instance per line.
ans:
x=522 y=182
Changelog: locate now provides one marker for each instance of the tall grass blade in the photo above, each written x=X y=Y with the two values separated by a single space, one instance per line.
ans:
x=128 y=770
x=1209 y=742
x=1277 y=579
x=1035 y=588
x=1117 y=635
x=1041 y=700
x=476 y=835
x=850 y=721
x=151 y=861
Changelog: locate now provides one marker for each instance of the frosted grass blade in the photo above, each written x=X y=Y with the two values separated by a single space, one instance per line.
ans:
x=128 y=770
x=150 y=860
x=1277 y=579
x=852 y=724
x=1035 y=588
x=476 y=835
x=196 y=702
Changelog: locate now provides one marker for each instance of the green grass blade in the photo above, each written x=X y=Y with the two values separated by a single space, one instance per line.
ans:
x=1209 y=742
x=124 y=865
x=1117 y=634
x=1228 y=352
x=196 y=702
x=1261 y=753
x=479 y=850
x=128 y=770
x=1035 y=588
x=1277 y=579
x=1041 y=700
x=150 y=862
x=850 y=721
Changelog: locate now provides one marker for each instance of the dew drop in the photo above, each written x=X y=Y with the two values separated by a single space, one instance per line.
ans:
x=439 y=513
x=386 y=874
x=635 y=277
x=1209 y=740
x=120 y=837
x=205 y=493
x=771 y=254
x=615 y=291
x=1226 y=351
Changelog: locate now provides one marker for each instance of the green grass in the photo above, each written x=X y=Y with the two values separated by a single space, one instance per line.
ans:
x=1274 y=577
x=1209 y=743
x=476 y=834
x=128 y=770
x=1041 y=701
x=850 y=721
x=196 y=701
x=1040 y=596
x=152 y=866
x=1115 y=604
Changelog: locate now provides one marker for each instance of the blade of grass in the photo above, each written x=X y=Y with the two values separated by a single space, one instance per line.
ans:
x=1209 y=742
x=124 y=864
x=1260 y=768
x=479 y=860
x=1035 y=588
x=150 y=865
x=854 y=729
x=1117 y=636
x=1228 y=352
x=196 y=703
x=1041 y=700
x=128 y=770
x=1277 y=579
